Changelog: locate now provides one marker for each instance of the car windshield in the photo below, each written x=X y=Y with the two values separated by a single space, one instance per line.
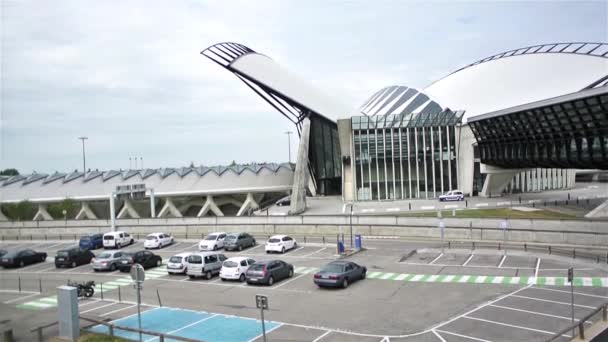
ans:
x=108 y=237
x=333 y=268
x=257 y=267
x=211 y=237
x=11 y=254
x=63 y=254
x=230 y=238
x=151 y=237
x=195 y=259
x=105 y=255
x=230 y=264
x=274 y=240
x=176 y=259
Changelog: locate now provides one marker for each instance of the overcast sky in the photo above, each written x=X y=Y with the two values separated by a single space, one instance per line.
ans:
x=128 y=74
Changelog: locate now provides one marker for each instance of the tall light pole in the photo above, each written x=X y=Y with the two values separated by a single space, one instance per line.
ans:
x=84 y=160
x=289 y=143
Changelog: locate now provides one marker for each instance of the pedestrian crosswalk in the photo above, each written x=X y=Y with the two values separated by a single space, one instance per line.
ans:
x=477 y=279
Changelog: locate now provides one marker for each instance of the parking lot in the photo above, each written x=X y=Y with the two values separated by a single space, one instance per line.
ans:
x=413 y=292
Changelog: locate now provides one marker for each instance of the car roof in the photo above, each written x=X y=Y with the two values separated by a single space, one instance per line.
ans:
x=183 y=255
x=204 y=254
x=278 y=236
x=237 y=258
x=264 y=262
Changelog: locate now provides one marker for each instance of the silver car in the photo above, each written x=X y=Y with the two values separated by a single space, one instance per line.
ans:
x=107 y=260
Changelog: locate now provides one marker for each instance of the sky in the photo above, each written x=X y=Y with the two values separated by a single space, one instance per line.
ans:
x=128 y=74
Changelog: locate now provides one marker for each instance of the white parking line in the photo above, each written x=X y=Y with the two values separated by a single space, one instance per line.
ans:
x=185 y=326
x=402 y=276
x=88 y=302
x=502 y=261
x=463 y=336
x=121 y=309
x=392 y=209
x=20 y=298
x=512 y=325
x=250 y=249
x=321 y=337
x=468 y=259
x=368 y=210
x=438 y=336
x=437 y=258
x=481 y=204
x=533 y=312
x=315 y=252
x=427 y=207
x=288 y=281
x=503 y=203
x=267 y=331
x=553 y=301
x=97 y=308
x=451 y=206
x=537 y=267
x=563 y=291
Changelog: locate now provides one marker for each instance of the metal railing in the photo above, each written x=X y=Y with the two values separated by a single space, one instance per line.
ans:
x=578 y=329
x=113 y=327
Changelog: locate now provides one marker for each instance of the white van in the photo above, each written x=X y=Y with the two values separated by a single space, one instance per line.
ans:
x=205 y=264
x=117 y=239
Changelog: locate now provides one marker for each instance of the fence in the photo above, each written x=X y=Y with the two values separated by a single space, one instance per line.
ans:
x=578 y=329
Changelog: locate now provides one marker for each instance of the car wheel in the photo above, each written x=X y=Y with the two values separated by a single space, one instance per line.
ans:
x=242 y=278
x=270 y=281
x=208 y=275
x=191 y=276
x=283 y=250
x=21 y=264
x=252 y=243
x=363 y=274
x=112 y=267
x=223 y=279
x=290 y=273
x=214 y=247
x=345 y=283
x=240 y=248
x=295 y=245
x=158 y=263
x=73 y=264
x=95 y=270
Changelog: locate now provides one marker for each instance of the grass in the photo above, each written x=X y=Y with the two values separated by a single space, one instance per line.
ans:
x=90 y=337
x=496 y=213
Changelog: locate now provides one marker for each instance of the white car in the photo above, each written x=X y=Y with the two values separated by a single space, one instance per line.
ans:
x=454 y=195
x=158 y=240
x=235 y=268
x=178 y=264
x=280 y=243
x=117 y=239
x=212 y=242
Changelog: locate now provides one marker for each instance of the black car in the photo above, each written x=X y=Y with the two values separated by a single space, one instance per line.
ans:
x=267 y=272
x=238 y=241
x=146 y=259
x=73 y=257
x=339 y=274
x=21 y=257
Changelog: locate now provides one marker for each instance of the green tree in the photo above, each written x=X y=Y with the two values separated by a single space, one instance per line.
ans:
x=69 y=205
x=9 y=172
x=20 y=211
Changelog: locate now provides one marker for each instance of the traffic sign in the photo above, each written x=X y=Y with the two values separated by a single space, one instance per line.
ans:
x=137 y=273
x=261 y=302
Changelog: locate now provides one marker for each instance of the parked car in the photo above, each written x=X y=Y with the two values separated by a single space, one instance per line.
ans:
x=107 y=261
x=22 y=257
x=238 y=241
x=339 y=274
x=267 y=272
x=158 y=240
x=146 y=259
x=212 y=242
x=284 y=201
x=117 y=239
x=235 y=268
x=73 y=257
x=205 y=264
x=454 y=195
x=280 y=243
x=93 y=241
x=178 y=264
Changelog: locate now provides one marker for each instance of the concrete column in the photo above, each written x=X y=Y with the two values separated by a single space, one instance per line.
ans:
x=113 y=212
x=345 y=133
x=210 y=205
x=67 y=313
x=152 y=204
x=249 y=203
x=42 y=214
x=128 y=209
x=169 y=208
x=86 y=212
x=301 y=174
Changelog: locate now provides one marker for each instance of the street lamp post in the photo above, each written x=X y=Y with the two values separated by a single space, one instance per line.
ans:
x=351 y=225
x=84 y=163
x=289 y=143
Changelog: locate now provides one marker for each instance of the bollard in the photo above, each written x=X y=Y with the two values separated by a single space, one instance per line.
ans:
x=304 y=238
x=556 y=203
x=162 y=338
x=598 y=260
x=31 y=237
x=533 y=205
x=323 y=240
x=39 y=333
x=605 y=312
x=466 y=203
x=74 y=237
x=519 y=199
x=46 y=237
x=410 y=205
x=39 y=285
x=525 y=247
x=449 y=244
x=549 y=250
x=19 y=278
x=577 y=201
x=119 y=296
x=574 y=254
x=581 y=331
x=111 y=327
x=101 y=290
x=499 y=246
x=158 y=296
x=473 y=245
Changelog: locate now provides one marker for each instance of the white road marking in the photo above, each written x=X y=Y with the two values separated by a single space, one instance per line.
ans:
x=464 y=279
x=564 y=291
x=502 y=261
x=267 y=331
x=438 y=336
x=315 y=252
x=512 y=325
x=121 y=309
x=533 y=312
x=392 y=209
x=437 y=258
x=432 y=278
x=97 y=308
x=417 y=277
x=185 y=326
x=448 y=279
x=463 y=336
x=20 y=298
x=553 y=301
x=427 y=207
x=451 y=206
x=387 y=275
x=88 y=302
x=497 y=280
x=288 y=281
x=368 y=210
x=320 y=337
x=402 y=276
x=537 y=267
x=468 y=259
x=250 y=249
x=503 y=203
x=481 y=204
x=480 y=279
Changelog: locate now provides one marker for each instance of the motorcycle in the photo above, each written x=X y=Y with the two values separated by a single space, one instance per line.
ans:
x=86 y=289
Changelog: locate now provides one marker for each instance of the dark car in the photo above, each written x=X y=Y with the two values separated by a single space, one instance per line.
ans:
x=73 y=257
x=2 y=252
x=93 y=241
x=284 y=201
x=146 y=259
x=339 y=274
x=21 y=257
x=267 y=272
x=238 y=241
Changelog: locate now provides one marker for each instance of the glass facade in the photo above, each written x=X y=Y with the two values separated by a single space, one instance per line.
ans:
x=405 y=156
x=324 y=156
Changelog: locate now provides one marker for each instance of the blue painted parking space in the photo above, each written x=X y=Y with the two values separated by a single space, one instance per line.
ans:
x=192 y=324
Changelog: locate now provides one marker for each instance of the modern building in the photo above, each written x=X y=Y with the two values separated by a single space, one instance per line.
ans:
x=518 y=121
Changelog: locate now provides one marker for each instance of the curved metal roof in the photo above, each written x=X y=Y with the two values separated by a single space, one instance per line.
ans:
x=395 y=100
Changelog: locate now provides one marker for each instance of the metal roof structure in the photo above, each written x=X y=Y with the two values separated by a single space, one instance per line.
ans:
x=399 y=100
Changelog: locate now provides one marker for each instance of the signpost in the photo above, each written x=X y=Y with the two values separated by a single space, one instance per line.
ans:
x=138 y=275
x=442 y=227
x=504 y=225
x=571 y=281
x=261 y=302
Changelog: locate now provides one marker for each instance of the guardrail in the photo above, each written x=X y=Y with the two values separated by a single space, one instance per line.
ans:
x=580 y=326
x=112 y=327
